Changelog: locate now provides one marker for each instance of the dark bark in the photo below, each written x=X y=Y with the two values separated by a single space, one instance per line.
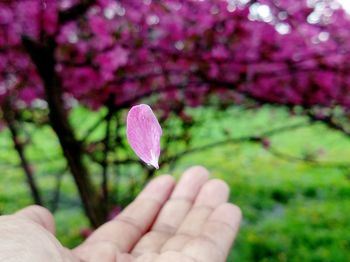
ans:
x=43 y=57
x=9 y=117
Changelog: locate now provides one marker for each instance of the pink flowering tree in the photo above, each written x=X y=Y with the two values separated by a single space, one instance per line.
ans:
x=173 y=54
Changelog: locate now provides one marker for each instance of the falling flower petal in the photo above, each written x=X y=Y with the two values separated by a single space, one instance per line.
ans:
x=143 y=132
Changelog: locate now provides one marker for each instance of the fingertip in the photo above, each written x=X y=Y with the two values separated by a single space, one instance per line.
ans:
x=161 y=185
x=196 y=171
x=191 y=182
x=229 y=214
x=213 y=193
x=217 y=185
x=165 y=180
x=166 y=177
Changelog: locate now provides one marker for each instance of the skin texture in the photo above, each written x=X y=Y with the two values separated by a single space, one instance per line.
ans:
x=190 y=221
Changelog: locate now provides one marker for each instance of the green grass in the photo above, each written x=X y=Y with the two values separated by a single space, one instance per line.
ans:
x=293 y=210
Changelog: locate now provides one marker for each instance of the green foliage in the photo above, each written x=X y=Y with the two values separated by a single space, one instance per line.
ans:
x=293 y=210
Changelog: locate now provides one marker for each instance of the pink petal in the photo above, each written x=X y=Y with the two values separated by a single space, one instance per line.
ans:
x=143 y=132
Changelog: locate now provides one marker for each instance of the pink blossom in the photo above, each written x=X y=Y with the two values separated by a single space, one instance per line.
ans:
x=143 y=133
x=191 y=51
x=111 y=61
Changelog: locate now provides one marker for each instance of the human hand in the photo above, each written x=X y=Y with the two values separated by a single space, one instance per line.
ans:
x=190 y=222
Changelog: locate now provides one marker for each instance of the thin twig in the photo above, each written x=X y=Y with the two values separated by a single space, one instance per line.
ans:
x=292 y=158
x=10 y=118
x=54 y=203
x=243 y=139
x=93 y=128
x=105 y=165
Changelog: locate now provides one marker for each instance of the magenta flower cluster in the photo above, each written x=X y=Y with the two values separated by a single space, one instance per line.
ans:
x=186 y=52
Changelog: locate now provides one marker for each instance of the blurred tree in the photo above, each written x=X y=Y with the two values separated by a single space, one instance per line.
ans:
x=112 y=54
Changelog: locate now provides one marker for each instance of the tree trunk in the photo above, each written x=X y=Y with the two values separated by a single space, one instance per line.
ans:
x=43 y=58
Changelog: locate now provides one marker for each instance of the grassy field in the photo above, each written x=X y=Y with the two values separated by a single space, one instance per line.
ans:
x=293 y=210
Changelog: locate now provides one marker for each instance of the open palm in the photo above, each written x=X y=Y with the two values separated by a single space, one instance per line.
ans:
x=191 y=221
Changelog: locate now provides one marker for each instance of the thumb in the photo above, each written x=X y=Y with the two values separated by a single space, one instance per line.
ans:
x=38 y=215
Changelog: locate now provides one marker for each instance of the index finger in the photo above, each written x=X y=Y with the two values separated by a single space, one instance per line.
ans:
x=126 y=229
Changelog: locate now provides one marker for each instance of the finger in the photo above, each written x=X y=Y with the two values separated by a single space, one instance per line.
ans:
x=38 y=215
x=174 y=211
x=217 y=236
x=212 y=194
x=127 y=228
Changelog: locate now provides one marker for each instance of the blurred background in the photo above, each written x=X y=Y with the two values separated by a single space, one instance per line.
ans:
x=256 y=91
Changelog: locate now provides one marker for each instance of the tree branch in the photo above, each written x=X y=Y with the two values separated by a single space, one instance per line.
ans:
x=243 y=139
x=10 y=119
x=292 y=158
x=57 y=192
x=105 y=165
x=93 y=128
x=330 y=123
